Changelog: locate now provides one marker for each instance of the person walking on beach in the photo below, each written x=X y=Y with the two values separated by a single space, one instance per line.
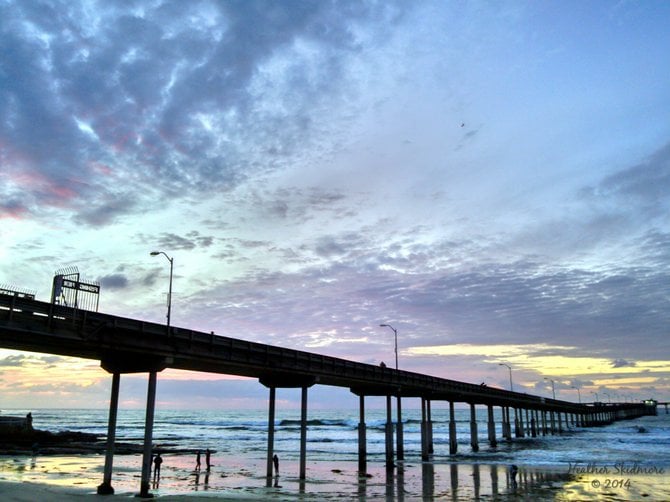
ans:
x=207 y=458
x=157 y=467
x=275 y=461
x=197 y=461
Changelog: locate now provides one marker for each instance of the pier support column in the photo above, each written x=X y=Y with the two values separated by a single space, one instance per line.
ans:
x=453 y=444
x=553 y=423
x=518 y=417
x=429 y=428
x=303 y=432
x=425 y=455
x=106 y=487
x=528 y=424
x=560 y=423
x=507 y=427
x=518 y=431
x=474 y=440
x=533 y=423
x=271 y=434
x=544 y=422
x=400 y=448
x=491 y=427
x=389 y=435
x=362 y=441
x=148 y=436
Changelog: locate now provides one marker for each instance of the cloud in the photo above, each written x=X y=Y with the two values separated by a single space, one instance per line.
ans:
x=645 y=185
x=114 y=281
x=18 y=360
x=24 y=361
x=190 y=241
x=94 y=98
x=622 y=363
x=13 y=208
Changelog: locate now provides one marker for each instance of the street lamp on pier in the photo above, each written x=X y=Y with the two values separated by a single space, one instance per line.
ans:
x=579 y=394
x=169 y=307
x=553 y=389
x=399 y=431
x=511 y=386
x=395 y=333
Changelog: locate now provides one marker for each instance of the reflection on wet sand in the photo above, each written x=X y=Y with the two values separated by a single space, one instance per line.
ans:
x=455 y=481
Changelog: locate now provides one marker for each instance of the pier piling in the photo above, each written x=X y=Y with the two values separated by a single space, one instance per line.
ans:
x=474 y=440
x=491 y=427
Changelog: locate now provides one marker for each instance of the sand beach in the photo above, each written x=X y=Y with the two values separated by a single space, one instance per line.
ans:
x=64 y=478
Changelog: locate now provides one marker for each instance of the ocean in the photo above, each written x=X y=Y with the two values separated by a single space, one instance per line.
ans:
x=623 y=460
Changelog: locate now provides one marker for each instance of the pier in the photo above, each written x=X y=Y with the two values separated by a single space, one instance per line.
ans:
x=124 y=345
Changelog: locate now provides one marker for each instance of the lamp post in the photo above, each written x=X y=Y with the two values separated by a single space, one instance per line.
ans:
x=553 y=389
x=399 y=438
x=151 y=403
x=395 y=332
x=511 y=386
x=171 y=260
x=579 y=394
x=596 y=394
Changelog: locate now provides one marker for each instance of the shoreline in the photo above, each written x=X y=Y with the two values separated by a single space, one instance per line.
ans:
x=77 y=477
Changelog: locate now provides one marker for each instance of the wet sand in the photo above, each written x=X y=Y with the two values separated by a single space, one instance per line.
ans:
x=77 y=477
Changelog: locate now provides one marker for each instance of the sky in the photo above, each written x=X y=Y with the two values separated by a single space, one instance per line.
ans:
x=491 y=179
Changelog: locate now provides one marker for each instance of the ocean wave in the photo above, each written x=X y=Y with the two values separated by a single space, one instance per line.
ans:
x=319 y=423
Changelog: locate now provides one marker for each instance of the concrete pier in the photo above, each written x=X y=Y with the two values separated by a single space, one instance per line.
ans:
x=125 y=345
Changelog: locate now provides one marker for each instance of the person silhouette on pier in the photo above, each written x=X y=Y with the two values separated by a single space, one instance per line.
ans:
x=207 y=459
x=197 y=461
